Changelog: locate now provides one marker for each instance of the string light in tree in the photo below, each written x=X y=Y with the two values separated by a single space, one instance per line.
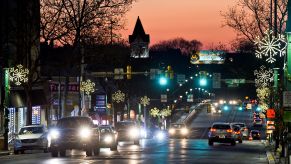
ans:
x=263 y=77
x=18 y=74
x=118 y=96
x=87 y=86
x=270 y=46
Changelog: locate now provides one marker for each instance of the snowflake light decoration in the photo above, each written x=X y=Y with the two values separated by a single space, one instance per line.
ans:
x=145 y=101
x=155 y=112
x=118 y=96
x=87 y=86
x=18 y=75
x=263 y=77
x=263 y=93
x=270 y=46
x=166 y=112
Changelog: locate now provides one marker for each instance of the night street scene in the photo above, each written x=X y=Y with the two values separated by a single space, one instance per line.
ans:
x=145 y=81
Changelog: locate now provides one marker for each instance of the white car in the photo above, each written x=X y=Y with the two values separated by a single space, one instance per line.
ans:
x=31 y=137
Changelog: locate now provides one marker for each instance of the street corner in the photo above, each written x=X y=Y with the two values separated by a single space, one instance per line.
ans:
x=270 y=157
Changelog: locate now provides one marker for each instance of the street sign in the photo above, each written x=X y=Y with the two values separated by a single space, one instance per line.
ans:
x=287 y=99
x=181 y=78
x=216 y=80
x=163 y=98
x=190 y=98
x=270 y=113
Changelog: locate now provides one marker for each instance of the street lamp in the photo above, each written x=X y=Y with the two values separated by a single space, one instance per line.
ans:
x=87 y=87
x=117 y=97
x=145 y=101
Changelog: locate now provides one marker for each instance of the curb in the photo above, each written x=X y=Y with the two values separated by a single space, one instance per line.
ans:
x=270 y=156
x=3 y=153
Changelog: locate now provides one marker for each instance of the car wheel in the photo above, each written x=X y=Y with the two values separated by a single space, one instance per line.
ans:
x=89 y=151
x=114 y=147
x=136 y=142
x=63 y=153
x=22 y=151
x=54 y=153
x=233 y=143
x=16 y=152
x=240 y=141
x=210 y=143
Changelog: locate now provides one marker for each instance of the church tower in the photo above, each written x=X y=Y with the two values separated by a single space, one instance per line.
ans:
x=139 y=41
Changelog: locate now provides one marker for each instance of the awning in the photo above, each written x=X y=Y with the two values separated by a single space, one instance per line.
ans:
x=18 y=98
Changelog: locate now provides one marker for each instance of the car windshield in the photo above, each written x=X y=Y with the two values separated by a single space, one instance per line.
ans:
x=221 y=126
x=178 y=126
x=124 y=125
x=74 y=122
x=31 y=130
x=258 y=120
x=105 y=130
x=241 y=125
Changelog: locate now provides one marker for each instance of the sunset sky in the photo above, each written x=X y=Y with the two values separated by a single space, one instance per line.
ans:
x=190 y=19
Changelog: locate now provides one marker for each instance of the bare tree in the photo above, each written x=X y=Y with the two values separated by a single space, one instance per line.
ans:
x=75 y=21
x=251 y=18
x=186 y=47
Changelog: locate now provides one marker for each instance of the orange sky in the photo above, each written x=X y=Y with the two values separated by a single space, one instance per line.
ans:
x=190 y=19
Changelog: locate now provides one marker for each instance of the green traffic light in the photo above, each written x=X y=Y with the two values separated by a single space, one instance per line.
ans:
x=203 y=82
x=163 y=81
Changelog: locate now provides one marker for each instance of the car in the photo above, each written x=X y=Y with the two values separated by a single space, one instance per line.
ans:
x=179 y=130
x=243 y=128
x=255 y=134
x=221 y=132
x=128 y=131
x=108 y=137
x=77 y=132
x=238 y=133
x=258 y=122
x=31 y=137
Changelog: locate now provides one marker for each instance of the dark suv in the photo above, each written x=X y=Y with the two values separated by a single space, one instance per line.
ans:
x=74 y=133
x=128 y=131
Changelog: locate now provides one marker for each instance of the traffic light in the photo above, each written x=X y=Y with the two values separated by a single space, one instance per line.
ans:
x=128 y=72
x=169 y=73
x=163 y=81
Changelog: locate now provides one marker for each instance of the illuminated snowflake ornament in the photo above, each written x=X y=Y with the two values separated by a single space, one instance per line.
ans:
x=87 y=86
x=263 y=77
x=166 y=112
x=270 y=46
x=263 y=93
x=155 y=112
x=145 y=101
x=118 y=96
x=18 y=75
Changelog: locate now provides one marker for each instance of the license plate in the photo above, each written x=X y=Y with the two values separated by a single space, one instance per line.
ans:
x=221 y=136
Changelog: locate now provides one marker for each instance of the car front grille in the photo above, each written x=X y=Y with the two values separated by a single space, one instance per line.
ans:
x=29 y=140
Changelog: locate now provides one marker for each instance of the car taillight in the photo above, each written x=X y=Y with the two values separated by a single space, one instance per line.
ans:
x=229 y=130
x=212 y=130
x=246 y=128
x=237 y=132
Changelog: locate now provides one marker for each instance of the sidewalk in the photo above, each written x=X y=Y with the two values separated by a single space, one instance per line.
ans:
x=274 y=157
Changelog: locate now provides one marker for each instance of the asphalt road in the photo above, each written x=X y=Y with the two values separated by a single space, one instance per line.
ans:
x=194 y=150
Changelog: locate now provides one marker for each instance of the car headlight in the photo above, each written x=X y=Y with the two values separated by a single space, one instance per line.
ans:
x=85 y=132
x=160 y=135
x=108 y=139
x=54 y=134
x=134 y=132
x=184 y=131
x=171 y=131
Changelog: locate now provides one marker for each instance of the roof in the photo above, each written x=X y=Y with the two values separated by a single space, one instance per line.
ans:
x=139 y=32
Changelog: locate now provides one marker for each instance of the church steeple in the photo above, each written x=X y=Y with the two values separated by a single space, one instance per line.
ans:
x=139 y=41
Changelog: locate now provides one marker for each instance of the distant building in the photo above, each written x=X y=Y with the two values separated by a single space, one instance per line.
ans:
x=139 y=41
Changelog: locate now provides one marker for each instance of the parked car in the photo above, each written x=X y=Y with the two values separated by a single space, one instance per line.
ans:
x=108 y=137
x=74 y=133
x=243 y=128
x=128 y=131
x=221 y=132
x=255 y=134
x=179 y=130
x=31 y=137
